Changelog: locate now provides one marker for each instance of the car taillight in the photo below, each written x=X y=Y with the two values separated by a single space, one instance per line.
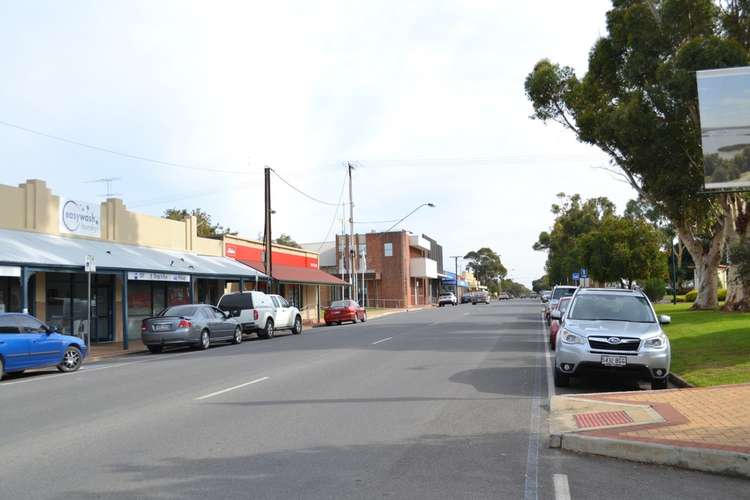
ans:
x=184 y=324
x=144 y=325
x=255 y=314
x=351 y=309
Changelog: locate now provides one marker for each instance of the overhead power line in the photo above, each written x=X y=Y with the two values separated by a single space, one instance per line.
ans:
x=335 y=214
x=122 y=154
x=310 y=197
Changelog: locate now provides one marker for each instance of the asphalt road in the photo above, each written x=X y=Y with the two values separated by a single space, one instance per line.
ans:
x=443 y=403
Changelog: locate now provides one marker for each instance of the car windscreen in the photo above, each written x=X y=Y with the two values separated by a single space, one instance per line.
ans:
x=340 y=303
x=187 y=311
x=611 y=307
x=236 y=301
x=564 y=304
x=562 y=292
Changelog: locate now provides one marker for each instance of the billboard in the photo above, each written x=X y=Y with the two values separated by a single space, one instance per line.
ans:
x=724 y=102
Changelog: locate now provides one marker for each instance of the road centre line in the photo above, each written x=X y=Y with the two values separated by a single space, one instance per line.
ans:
x=381 y=340
x=562 y=489
x=224 y=391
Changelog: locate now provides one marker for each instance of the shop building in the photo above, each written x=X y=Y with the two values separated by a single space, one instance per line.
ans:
x=142 y=263
x=393 y=269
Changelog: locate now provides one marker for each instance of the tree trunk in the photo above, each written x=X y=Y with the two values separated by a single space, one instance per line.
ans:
x=735 y=228
x=706 y=265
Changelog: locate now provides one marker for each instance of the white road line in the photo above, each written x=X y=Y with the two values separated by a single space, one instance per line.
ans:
x=531 y=486
x=562 y=490
x=223 y=391
x=381 y=340
x=548 y=362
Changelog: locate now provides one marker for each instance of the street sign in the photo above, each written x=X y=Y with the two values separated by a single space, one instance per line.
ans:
x=584 y=273
x=89 y=265
x=576 y=276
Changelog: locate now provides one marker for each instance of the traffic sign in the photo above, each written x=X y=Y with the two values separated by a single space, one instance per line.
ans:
x=576 y=276
x=584 y=273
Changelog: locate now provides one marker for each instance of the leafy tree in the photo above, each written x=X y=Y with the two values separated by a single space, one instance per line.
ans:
x=287 y=240
x=638 y=103
x=486 y=265
x=541 y=284
x=206 y=229
x=513 y=288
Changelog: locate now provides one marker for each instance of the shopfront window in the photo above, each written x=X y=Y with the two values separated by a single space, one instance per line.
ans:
x=149 y=298
x=67 y=302
x=10 y=295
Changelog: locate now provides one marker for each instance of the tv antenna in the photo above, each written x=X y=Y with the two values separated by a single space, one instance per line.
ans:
x=108 y=182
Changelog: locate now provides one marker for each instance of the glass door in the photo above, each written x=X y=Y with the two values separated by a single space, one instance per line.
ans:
x=102 y=315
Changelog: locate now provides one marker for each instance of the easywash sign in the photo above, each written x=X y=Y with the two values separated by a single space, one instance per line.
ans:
x=80 y=217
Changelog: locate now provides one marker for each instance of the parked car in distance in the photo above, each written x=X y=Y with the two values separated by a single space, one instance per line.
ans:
x=467 y=297
x=286 y=316
x=480 y=298
x=447 y=299
x=612 y=330
x=253 y=310
x=554 y=326
x=344 y=310
x=195 y=325
x=545 y=295
x=503 y=296
x=26 y=343
x=557 y=293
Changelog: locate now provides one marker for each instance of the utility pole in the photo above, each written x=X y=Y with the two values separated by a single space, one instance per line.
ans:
x=352 y=252
x=455 y=259
x=267 y=232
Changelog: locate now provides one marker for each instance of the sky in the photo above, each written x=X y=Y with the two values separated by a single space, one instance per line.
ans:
x=424 y=97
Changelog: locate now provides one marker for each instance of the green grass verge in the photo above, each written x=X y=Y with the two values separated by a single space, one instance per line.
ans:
x=708 y=347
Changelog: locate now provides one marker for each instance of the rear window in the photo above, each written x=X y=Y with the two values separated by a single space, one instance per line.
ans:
x=180 y=311
x=602 y=307
x=563 y=292
x=341 y=303
x=236 y=301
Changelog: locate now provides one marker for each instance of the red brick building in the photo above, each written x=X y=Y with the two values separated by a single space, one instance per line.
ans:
x=400 y=269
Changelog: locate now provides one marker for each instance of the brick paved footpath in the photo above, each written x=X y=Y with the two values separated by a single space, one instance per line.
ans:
x=714 y=417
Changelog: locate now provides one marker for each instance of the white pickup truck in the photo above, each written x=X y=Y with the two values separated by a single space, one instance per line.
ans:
x=260 y=313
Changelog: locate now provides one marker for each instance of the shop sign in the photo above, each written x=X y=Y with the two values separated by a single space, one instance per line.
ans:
x=179 y=278
x=80 y=217
x=10 y=271
x=231 y=251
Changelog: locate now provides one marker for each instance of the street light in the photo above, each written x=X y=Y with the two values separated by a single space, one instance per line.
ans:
x=431 y=205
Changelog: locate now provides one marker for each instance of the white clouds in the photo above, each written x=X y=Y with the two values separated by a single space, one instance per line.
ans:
x=303 y=86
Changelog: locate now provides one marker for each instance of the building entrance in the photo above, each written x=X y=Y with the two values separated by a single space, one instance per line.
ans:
x=102 y=315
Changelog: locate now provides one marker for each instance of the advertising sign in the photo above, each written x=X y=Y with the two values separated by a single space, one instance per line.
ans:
x=80 y=217
x=724 y=103
x=138 y=276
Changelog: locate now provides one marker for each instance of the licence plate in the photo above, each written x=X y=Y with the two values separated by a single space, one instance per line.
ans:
x=614 y=360
x=161 y=328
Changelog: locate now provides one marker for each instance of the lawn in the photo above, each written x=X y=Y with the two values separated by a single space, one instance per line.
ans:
x=708 y=347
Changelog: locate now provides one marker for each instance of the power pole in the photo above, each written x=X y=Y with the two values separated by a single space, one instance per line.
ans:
x=352 y=251
x=455 y=259
x=267 y=232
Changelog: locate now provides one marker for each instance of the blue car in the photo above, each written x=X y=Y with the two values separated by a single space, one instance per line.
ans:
x=26 y=343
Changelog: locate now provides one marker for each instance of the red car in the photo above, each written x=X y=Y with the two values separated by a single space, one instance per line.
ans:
x=554 y=325
x=344 y=310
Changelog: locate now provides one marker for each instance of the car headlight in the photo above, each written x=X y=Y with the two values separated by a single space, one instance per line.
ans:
x=572 y=338
x=658 y=342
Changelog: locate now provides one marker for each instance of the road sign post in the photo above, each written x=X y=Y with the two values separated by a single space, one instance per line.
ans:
x=90 y=267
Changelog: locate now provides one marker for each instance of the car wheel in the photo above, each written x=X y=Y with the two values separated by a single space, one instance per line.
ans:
x=561 y=379
x=237 y=339
x=268 y=330
x=659 y=383
x=205 y=342
x=2 y=369
x=364 y=317
x=297 y=330
x=328 y=323
x=155 y=349
x=71 y=361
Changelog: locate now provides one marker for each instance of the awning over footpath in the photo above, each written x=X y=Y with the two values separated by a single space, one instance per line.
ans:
x=24 y=248
x=296 y=275
x=450 y=280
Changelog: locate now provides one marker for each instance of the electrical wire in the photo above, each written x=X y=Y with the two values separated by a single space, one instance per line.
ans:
x=335 y=214
x=376 y=221
x=310 y=197
x=121 y=154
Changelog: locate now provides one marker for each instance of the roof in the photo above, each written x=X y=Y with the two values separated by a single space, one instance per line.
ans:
x=292 y=274
x=48 y=250
x=624 y=291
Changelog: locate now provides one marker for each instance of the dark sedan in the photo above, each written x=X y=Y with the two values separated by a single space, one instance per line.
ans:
x=344 y=310
x=195 y=325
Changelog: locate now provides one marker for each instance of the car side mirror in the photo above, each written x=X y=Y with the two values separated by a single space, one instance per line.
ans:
x=556 y=314
x=664 y=319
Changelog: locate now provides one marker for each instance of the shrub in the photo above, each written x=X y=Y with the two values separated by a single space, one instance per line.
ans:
x=680 y=298
x=655 y=289
x=722 y=294
x=691 y=296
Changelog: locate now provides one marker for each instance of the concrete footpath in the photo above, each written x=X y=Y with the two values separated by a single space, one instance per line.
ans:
x=705 y=429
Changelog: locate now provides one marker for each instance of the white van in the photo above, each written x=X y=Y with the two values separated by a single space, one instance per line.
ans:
x=260 y=313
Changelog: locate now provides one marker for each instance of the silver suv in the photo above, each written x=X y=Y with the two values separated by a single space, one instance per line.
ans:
x=612 y=330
